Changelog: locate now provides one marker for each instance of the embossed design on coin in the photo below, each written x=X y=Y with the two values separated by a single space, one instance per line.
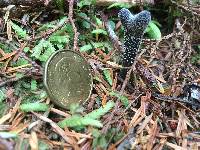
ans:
x=67 y=78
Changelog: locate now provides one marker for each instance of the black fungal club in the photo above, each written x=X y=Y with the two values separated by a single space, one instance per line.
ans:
x=134 y=27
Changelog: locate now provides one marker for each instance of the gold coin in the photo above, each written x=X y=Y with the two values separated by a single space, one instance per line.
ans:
x=67 y=78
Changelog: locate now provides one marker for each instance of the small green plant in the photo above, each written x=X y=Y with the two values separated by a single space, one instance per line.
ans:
x=122 y=98
x=21 y=33
x=83 y=3
x=60 y=4
x=2 y=94
x=44 y=48
x=77 y=121
x=88 y=47
x=107 y=75
x=120 y=5
x=100 y=140
x=28 y=107
x=153 y=31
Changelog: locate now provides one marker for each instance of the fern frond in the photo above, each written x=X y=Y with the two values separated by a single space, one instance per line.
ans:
x=96 y=114
x=78 y=121
x=21 y=33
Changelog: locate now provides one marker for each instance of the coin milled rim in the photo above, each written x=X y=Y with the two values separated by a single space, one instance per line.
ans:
x=51 y=96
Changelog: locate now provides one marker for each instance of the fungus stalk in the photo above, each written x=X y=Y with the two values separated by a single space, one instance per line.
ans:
x=134 y=27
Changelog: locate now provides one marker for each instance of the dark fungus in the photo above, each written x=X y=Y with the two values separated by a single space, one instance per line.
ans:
x=134 y=27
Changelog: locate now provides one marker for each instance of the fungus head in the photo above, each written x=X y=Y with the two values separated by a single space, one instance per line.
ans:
x=135 y=24
x=134 y=27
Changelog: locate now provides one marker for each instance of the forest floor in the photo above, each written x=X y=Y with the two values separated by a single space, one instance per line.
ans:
x=156 y=106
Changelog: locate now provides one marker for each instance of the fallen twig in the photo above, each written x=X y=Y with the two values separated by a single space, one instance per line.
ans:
x=76 y=34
